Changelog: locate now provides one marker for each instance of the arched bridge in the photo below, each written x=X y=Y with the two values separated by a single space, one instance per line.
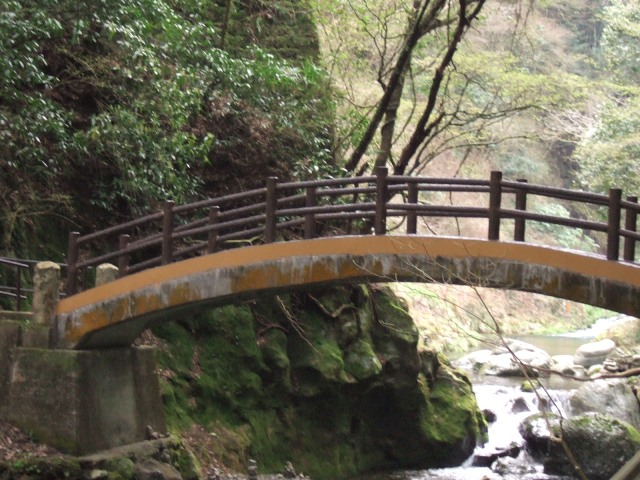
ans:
x=297 y=235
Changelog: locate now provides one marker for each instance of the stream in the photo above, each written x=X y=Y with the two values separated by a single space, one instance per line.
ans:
x=511 y=406
x=504 y=398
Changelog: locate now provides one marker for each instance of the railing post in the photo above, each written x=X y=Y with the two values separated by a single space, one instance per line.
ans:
x=521 y=204
x=212 y=237
x=72 y=261
x=630 y=223
x=167 y=232
x=613 y=224
x=380 y=225
x=310 y=218
x=123 y=259
x=18 y=289
x=495 y=200
x=270 y=213
x=412 y=215
x=46 y=284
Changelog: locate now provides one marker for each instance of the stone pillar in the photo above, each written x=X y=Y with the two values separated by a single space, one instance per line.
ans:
x=46 y=281
x=106 y=273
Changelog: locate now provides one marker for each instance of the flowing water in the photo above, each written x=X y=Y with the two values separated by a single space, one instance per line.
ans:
x=503 y=397
x=511 y=406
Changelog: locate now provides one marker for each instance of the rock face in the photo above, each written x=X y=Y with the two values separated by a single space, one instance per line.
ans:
x=331 y=380
x=611 y=396
x=593 y=353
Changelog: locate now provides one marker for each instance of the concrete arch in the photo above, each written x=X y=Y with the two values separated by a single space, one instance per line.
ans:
x=116 y=313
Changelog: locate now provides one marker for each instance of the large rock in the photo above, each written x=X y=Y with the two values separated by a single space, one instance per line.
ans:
x=486 y=456
x=593 y=353
x=502 y=361
x=611 y=396
x=600 y=443
x=150 y=469
x=536 y=430
x=331 y=380
x=512 y=467
x=625 y=332
x=564 y=364
x=473 y=362
x=516 y=359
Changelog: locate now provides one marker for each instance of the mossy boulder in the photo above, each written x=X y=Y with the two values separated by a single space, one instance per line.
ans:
x=330 y=379
x=600 y=443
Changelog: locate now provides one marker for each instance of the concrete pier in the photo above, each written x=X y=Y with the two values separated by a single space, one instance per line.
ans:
x=82 y=401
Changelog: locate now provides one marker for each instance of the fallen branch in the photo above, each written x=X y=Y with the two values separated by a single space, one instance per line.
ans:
x=631 y=372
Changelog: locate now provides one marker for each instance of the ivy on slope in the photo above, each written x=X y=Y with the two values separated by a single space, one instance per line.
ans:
x=109 y=106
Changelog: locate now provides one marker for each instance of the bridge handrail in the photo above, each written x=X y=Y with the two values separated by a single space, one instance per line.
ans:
x=331 y=206
x=19 y=290
x=15 y=291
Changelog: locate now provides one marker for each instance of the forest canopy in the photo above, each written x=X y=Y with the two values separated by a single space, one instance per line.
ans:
x=109 y=107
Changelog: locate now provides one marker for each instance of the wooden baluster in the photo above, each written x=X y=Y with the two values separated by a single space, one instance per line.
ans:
x=521 y=204
x=613 y=224
x=350 y=222
x=412 y=215
x=18 y=289
x=630 y=223
x=167 y=232
x=72 y=261
x=495 y=200
x=123 y=258
x=310 y=218
x=380 y=225
x=270 y=213
x=212 y=237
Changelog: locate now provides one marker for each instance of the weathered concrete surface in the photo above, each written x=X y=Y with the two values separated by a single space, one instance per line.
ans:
x=46 y=283
x=116 y=313
x=84 y=401
x=9 y=338
x=16 y=333
x=106 y=273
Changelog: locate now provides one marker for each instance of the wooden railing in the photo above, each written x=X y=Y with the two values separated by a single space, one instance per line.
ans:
x=341 y=206
x=14 y=288
x=16 y=281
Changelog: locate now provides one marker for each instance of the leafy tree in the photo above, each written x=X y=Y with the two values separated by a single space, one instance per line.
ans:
x=109 y=106
x=609 y=148
x=620 y=41
x=608 y=154
x=441 y=95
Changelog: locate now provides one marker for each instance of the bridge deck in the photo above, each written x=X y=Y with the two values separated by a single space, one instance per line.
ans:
x=115 y=313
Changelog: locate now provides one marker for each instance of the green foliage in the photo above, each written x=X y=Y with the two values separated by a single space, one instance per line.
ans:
x=621 y=39
x=566 y=237
x=107 y=107
x=608 y=154
x=518 y=162
x=609 y=148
